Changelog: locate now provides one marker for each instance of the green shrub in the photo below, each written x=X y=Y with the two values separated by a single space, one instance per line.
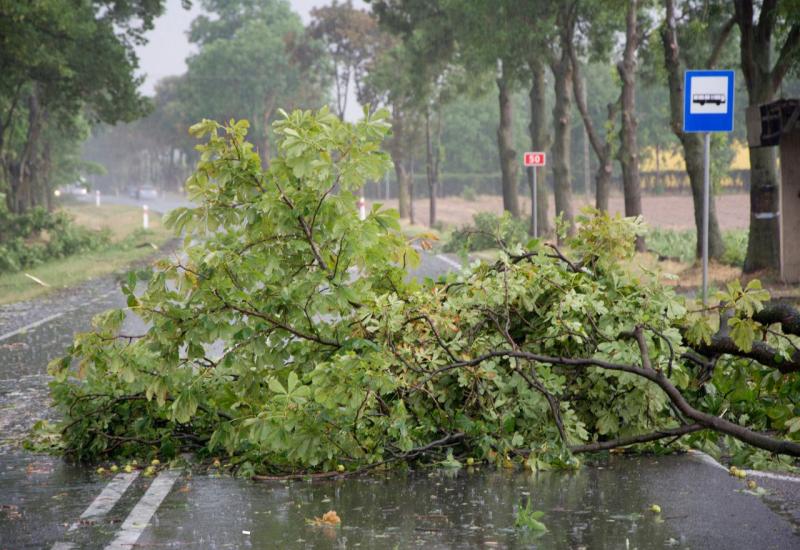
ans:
x=37 y=236
x=488 y=231
x=469 y=194
x=681 y=244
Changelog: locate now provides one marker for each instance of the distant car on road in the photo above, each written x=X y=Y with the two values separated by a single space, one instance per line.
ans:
x=143 y=192
x=72 y=189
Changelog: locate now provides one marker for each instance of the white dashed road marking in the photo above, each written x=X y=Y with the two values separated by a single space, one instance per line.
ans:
x=136 y=522
x=103 y=504
x=26 y=328
x=53 y=317
x=106 y=500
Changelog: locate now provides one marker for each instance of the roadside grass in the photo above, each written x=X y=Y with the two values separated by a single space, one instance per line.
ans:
x=122 y=220
x=130 y=245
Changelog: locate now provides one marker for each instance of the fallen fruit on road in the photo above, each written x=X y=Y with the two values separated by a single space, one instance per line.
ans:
x=655 y=508
x=128 y=468
x=101 y=470
x=751 y=484
x=340 y=468
x=114 y=468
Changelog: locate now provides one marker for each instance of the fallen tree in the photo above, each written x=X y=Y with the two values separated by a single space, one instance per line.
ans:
x=288 y=337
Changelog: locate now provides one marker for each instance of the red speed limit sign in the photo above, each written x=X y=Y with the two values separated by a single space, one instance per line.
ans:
x=534 y=159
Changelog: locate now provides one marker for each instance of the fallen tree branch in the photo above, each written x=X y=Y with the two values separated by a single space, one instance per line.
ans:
x=761 y=352
x=706 y=420
x=632 y=440
x=780 y=312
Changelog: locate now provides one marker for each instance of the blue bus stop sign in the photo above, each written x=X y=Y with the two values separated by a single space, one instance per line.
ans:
x=708 y=101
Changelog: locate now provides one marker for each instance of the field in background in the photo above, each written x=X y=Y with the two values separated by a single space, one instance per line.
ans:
x=130 y=245
x=664 y=211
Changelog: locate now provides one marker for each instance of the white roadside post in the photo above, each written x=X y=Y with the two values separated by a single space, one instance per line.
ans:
x=97 y=198
x=532 y=161
x=708 y=100
x=145 y=217
x=362 y=208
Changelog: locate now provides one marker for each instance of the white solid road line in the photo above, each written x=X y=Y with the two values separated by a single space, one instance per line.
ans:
x=26 y=328
x=448 y=261
x=708 y=459
x=40 y=322
x=103 y=504
x=137 y=521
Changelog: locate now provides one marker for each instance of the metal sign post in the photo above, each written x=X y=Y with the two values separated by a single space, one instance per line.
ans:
x=708 y=99
x=532 y=160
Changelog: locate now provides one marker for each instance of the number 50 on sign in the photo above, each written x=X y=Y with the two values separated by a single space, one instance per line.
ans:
x=534 y=159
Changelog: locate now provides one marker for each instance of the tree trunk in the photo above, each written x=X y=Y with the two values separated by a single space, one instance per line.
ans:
x=411 y=193
x=602 y=146
x=629 y=150
x=763 y=246
x=762 y=80
x=509 y=164
x=399 y=155
x=562 y=115
x=430 y=170
x=692 y=143
x=21 y=173
x=540 y=139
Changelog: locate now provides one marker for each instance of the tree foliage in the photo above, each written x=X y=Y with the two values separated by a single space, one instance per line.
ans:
x=288 y=336
x=61 y=60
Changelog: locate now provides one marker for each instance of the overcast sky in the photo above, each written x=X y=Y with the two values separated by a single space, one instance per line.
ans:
x=166 y=51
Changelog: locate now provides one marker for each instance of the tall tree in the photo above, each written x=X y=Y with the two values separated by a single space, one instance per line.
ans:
x=629 y=149
x=705 y=30
x=539 y=130
x=561 y=66
x=253 y=59
x=353 y=40
x=602 y=144
x=478 y=36
x=61 y=58
x=759 y=23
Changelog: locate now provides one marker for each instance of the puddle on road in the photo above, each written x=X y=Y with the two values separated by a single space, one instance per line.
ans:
x=472 y=508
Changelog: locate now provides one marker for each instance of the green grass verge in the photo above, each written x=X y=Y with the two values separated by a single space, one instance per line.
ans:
x=131 y=245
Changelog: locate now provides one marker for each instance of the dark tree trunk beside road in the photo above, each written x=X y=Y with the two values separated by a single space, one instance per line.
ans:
x=763 y=80
x=509 y=163
x=540 y=140
x=602 y=146
x=561 y=67
x=629 y=149
x=692 y=143
x=399 y=154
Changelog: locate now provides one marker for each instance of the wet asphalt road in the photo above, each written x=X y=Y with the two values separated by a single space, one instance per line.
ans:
x=601 y=506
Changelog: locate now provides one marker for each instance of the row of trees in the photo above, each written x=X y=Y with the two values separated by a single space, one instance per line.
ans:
x=613 y=67
x=253 y=58
x=518 y=41
x=64 y=64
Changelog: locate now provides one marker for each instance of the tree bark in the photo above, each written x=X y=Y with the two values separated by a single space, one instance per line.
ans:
x=540 y=140
x=509 y=164
x=629 y=150
x=602 y=146
x=762 y=80
x=431 y=166
x=399 y=154
x=562 y=117
x=692 y=143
